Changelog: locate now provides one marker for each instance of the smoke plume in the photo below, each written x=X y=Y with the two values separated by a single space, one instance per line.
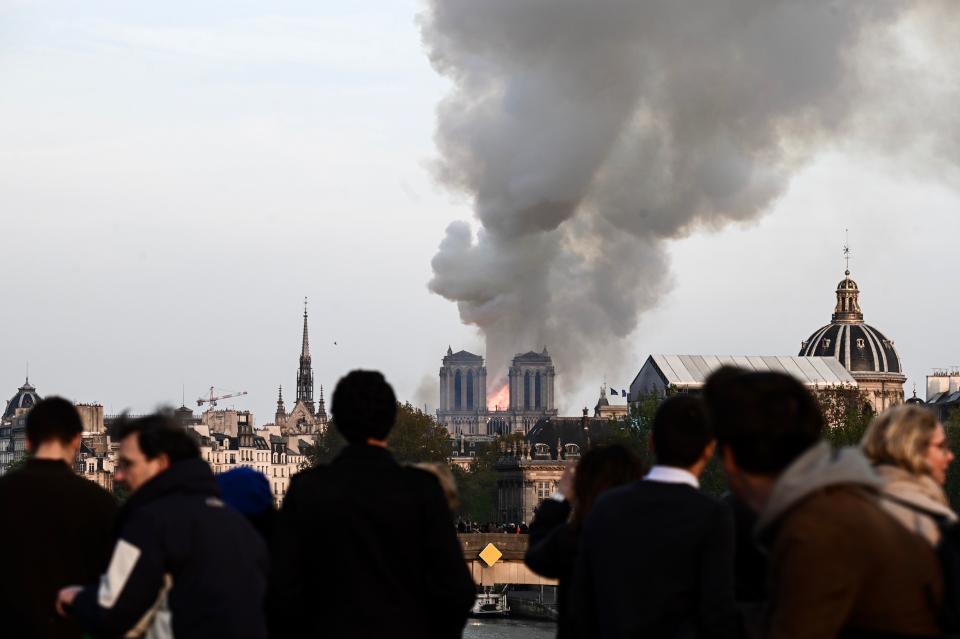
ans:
x=589 y=134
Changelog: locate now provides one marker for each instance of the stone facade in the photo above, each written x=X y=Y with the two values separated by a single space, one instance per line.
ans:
x=464 y=399
x=523 y=482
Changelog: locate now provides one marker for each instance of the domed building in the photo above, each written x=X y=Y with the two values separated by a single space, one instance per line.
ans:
x=867 y=353
x=21 y=403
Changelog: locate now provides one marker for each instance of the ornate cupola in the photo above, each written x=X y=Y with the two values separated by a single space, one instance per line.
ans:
x=848 y=302
x=867 y=353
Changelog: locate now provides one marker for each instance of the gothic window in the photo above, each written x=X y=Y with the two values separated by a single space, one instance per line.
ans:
x=457 y=387
x=469 y=389
x=536 y=393
x=526 y=391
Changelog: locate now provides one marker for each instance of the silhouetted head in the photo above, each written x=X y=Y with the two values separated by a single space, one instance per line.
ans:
x=363 y=406
x=766 y=420
x=149 y=446
x=681 y=431
x=53 y=419
x=602 y=468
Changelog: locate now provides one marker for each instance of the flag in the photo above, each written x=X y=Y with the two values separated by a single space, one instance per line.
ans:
x=613 y=392
x=623 y=393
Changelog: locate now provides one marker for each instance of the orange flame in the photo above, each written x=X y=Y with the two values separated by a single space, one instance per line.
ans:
x=499 y=400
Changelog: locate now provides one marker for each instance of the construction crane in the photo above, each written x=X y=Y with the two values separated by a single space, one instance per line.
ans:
x=213 y=399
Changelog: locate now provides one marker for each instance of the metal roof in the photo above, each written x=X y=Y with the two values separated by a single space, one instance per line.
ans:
x=691 y=371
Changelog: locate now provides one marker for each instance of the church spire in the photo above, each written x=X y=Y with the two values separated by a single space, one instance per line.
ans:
x=281 y=410
x=305 y=372
x=305 y=349
x=321 y=412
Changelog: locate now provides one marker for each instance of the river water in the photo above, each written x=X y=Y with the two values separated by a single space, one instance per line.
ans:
x=509 y=629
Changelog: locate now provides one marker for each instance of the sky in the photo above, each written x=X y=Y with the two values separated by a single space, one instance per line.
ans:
x=176 y=177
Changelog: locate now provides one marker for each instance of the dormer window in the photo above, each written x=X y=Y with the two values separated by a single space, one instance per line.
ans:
x=826 y=344
x=860 y=342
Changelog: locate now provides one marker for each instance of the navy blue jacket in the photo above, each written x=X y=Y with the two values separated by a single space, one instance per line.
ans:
x=656 y=560
x=185 y=565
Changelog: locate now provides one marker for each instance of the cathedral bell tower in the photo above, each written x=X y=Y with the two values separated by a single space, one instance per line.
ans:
x=305 y=372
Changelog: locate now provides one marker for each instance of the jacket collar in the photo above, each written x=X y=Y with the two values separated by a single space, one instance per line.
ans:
x=365 y=454
x=47 y=465
x=190 y=476
x=817 y=468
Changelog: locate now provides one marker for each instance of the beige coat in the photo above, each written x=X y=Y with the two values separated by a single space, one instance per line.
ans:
x=920 y=490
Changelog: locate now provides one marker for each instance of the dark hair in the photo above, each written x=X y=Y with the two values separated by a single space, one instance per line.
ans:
x=53 y=418
x=159 y=434
x=601 y=468
x=681 y=431
x=363 y=406
x=767 y=419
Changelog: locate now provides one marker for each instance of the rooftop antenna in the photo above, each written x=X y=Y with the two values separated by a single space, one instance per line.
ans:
x=846 y=250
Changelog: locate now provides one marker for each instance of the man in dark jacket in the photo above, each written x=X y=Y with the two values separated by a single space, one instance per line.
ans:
x=839 y=565
x=57 y=527
x=185 y=565
x=656 y=556
x=365 y=547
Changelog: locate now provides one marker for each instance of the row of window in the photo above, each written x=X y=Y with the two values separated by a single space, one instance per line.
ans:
x=860 y=343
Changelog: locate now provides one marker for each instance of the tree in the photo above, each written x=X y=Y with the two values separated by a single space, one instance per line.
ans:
x=846 y=413
x=951 y=427
x=478 y=485
x=417 y=437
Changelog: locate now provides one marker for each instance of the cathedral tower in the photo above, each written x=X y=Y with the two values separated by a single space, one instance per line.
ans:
x=305 y=372
x=463 y=392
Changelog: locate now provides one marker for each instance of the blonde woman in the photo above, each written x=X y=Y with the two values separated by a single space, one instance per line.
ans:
x=909 y=450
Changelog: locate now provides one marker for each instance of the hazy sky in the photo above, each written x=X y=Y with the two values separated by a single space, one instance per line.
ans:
x=175 y=177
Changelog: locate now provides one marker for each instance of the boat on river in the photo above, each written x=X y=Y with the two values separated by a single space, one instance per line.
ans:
x=491 y=604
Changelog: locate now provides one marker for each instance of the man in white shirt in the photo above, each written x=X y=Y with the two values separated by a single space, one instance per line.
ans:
x=656 y=556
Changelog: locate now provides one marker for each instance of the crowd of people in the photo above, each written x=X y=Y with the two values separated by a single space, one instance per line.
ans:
x=363 y=546
x=810 y=542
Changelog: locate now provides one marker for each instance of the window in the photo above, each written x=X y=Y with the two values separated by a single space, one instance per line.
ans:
x=859 y=342
x=526 y=390
x=544 y=490
x=470 y=390
x=826 y=344
x=536 y=391
x=457 y=388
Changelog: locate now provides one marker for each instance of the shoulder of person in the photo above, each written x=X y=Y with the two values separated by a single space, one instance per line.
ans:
x=418 y=477
x=836 y=512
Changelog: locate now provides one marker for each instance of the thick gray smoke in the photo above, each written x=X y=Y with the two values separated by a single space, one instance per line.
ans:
x=589 y=133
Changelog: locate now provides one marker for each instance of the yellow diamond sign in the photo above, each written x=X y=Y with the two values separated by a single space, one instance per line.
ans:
x=490 y=555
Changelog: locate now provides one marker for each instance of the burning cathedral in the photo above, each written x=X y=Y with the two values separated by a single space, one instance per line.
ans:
x=466 y=408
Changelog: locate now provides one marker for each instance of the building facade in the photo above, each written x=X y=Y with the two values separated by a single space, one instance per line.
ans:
x=13 y=425
x=464 y=402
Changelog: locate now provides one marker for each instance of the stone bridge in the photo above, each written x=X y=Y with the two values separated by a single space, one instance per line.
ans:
x=508 y=568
